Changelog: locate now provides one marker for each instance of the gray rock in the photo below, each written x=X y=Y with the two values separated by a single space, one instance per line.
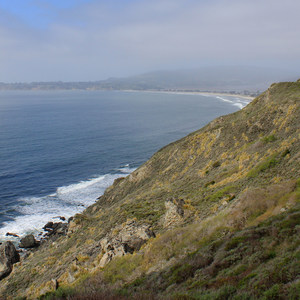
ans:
x=57 y=229
x=174 y=212
x=8 y=256
x=124 y=239
x=28 y=242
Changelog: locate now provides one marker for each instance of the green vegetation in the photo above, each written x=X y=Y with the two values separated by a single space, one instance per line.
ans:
x=222 y=193
x=264 y=165
x=243 y=265
x=270 y=138
x=121 y=267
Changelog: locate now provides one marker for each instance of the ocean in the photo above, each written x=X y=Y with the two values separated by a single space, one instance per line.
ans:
x=59 y=150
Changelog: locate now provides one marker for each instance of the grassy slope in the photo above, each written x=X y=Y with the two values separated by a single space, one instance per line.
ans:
x=234 y=175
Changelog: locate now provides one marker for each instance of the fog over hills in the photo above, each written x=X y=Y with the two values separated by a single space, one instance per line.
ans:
x=217 y=79
x=208 y=78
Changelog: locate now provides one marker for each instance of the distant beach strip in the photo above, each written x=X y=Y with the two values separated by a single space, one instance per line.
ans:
x=235 y=99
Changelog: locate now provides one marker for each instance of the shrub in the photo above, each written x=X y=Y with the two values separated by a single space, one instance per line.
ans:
x=285 y=153
x=272 y=293
x=221 y=193
x=60 y=293
x=181 y=273
x=243 y=296
x=263 y=166
x=209 y=183
x=121 y=267
x=234 y=242
x=294 y=291
x=291 y=221
x=270 y=138
x=216 y=164
x=224 y=293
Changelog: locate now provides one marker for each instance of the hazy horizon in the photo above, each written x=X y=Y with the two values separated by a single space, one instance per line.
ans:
x=88 y=40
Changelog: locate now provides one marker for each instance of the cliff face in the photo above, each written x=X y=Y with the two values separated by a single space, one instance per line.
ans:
x=216 y=210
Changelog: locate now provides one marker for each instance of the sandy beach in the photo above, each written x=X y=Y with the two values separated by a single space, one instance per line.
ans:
x=194 y=93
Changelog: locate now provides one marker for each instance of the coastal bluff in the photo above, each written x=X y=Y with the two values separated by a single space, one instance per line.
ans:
x=214 y=215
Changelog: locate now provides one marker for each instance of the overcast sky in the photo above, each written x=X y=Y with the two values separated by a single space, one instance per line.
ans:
x=73 y=40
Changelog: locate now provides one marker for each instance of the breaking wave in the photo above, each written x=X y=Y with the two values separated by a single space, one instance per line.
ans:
x=239 y=102
x=68 y=200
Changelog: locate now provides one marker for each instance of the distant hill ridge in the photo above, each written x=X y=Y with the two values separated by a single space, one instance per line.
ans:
x=214 y=215
x=213 y=79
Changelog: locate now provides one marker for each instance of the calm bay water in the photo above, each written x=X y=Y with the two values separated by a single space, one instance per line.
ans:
x=59 y=150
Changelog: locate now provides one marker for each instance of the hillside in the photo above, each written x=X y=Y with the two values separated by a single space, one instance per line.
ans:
x=214 y=215
x=230 y=78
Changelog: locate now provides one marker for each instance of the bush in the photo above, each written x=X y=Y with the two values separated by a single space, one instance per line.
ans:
x=181 y=273
x=270 y=138
x=216 y=164
x=121 y=267
x=263 y=166
x=294 y=291
x=221 y=193
x=209 y=183
x=272 y=293
x=234 y=242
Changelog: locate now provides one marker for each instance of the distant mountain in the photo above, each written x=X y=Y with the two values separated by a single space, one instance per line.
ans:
x=204 y=79
x=217 y=79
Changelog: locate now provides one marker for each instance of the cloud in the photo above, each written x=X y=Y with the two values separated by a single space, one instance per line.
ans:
x=97 y=39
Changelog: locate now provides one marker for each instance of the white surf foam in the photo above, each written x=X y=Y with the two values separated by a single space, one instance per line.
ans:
x=66 y=201
x=239 y=102
x=126 y=169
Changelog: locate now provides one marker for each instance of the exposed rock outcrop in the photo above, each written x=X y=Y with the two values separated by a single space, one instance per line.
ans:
x=123 y=239
x=174 y=214
x=53 y=229
x=48 y=226
x=8 y=256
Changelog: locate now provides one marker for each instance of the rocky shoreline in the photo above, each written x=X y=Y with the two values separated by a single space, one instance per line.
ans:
x=11 y=254
x=127 y=238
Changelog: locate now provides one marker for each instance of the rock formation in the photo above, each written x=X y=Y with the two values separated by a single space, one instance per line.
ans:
x=174 y=212
x=8 y=256
x=127 y=238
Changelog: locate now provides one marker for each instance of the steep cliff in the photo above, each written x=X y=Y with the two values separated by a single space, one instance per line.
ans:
x=214 y=215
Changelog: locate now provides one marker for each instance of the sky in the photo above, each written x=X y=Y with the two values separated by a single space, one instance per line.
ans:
x=87 y=40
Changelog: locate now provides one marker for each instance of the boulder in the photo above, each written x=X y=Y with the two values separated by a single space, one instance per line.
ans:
x=48 y=226
x=8 y=256
x=28 y=242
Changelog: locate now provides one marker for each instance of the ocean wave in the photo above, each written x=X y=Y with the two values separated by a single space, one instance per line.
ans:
x=68 y=200
x=239 y=102
x=126 y=169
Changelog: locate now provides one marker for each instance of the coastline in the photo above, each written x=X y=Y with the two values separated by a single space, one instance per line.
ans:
x=192 y=93
x=61 y=190
x=178 y=92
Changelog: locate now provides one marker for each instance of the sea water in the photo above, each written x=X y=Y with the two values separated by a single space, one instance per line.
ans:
x=60 y=150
